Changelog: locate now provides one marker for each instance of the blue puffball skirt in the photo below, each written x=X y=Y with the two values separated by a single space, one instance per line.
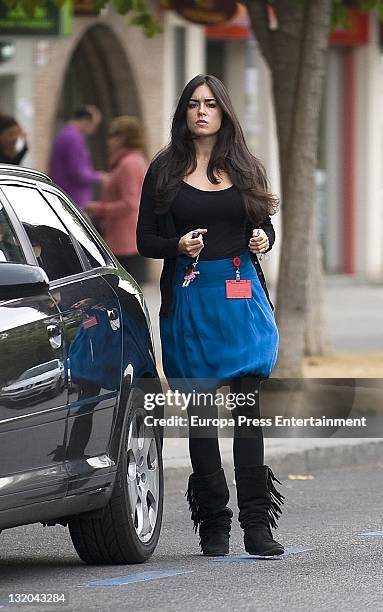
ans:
x=207 y=338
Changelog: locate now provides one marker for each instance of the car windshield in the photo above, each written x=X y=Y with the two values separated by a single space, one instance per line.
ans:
x=40 y=369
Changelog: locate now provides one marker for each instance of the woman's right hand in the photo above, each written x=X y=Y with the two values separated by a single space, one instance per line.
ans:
x=191 y=246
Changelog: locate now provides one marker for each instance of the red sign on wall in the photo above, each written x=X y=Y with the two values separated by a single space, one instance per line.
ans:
x=239 y=27
x=356 y=34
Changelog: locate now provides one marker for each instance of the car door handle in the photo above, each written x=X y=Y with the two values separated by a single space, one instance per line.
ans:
x=114 y=318
x=54 y=336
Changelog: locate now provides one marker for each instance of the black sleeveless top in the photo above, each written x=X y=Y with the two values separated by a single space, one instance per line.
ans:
x=157 y=233
x=221 y=212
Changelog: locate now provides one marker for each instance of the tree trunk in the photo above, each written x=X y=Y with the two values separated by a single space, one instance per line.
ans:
x=316 y=341
x=296 y=54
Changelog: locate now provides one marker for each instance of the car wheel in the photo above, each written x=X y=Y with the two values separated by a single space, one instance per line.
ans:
x=130 y=525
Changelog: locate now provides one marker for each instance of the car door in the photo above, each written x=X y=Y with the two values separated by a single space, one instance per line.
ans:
x=92 y=332
x=125 y=312
x=93 y=338
x=33 y=397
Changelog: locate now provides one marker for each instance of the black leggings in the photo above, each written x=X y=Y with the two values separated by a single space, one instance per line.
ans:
x=248 y=447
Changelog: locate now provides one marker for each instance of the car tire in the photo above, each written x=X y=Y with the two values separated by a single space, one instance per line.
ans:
x=129 y=527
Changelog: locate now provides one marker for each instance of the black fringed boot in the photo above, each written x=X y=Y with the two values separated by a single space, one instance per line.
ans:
x=208 y=497
x=259 y=505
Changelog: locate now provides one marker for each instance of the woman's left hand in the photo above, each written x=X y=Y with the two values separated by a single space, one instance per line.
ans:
x=93 y=209
x=259 y=242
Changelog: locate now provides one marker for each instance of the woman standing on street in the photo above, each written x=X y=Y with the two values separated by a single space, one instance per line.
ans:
x=216 y=319
x=117 y=213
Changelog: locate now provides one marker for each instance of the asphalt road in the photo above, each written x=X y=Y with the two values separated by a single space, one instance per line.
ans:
x=328 y=564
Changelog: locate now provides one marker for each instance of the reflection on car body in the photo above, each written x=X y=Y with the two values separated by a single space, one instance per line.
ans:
x=46 y=378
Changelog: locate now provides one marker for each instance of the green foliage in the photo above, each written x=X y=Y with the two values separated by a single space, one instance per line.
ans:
x=99 y=4
x=150 y=25
x=11 y=4
x=369 y=5
x=122 y=6
x=143 y=17
x=340 y=15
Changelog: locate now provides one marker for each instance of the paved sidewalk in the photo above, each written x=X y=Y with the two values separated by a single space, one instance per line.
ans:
x=299 y=456
x=354 y=315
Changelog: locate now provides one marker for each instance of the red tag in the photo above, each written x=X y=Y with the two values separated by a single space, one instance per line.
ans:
x=238 y=289
x=236 y=262
x=89 y=322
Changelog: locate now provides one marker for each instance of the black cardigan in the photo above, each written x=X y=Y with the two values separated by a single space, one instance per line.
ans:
x=156 y=238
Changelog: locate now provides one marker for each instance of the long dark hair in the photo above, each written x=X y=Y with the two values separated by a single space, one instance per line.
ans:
x=230 y=154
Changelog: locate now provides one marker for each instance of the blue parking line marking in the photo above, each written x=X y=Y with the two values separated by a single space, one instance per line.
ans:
x=140 y=577
x=371 y=533
x=290 y=550
x=293 y=550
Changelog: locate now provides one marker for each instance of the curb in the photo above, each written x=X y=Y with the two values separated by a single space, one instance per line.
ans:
x=357 y=453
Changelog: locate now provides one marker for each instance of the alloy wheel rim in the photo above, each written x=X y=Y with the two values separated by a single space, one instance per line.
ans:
x=143 y=477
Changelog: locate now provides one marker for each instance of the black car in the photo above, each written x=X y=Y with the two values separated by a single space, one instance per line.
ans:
x=76 y=358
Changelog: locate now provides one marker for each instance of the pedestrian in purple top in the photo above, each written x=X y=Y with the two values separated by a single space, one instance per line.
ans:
x=70 y=162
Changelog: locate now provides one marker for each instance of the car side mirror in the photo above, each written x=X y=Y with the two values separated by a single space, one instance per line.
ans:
x=21 y=280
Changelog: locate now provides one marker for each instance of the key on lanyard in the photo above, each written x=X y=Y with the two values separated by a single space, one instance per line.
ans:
x=237 y=263
x=191 y=273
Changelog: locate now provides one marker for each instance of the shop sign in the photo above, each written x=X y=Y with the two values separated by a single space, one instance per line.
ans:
x=240 y=28
x=47 y=20
x=85 y=7
x=356 y=34
x=203 y=12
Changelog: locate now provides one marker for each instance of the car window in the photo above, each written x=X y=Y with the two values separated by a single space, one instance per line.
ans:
x=43 y=368
x=50 y=240
x=10 y=249
x=95 y=256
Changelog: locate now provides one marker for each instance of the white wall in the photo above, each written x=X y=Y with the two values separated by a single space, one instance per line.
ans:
x=369 y=177
x=235 y=66
x=194 y=62
x=16 y=96
x=333 y=105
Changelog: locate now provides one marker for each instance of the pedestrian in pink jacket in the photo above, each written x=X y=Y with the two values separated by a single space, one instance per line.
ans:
x=117 y=213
